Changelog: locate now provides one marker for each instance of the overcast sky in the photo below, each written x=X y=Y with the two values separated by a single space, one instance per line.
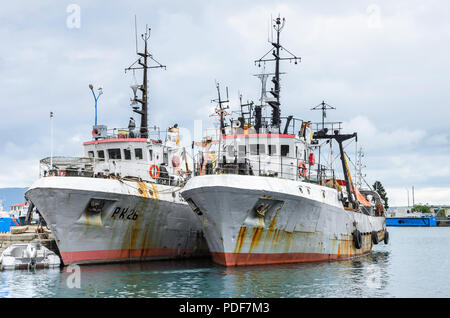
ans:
x=383 y=64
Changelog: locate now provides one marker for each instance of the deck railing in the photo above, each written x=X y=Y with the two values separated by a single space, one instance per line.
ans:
x=88 y=167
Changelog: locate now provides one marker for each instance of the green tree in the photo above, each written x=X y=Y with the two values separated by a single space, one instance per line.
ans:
x=378 y=187
x=421 y=208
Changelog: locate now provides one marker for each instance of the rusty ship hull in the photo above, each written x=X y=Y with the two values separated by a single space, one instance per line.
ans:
x=303 y=222
x=137 y=221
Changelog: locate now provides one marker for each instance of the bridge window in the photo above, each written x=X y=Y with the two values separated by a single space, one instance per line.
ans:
x=272 y=149
x=257 y=149
x=150 y=152
x=90 y=154
x=138 y=153
x=127 y=154
x=101 y=154
x=242 y=151
x=231 y=150
x=284 y=150
x=114 y=153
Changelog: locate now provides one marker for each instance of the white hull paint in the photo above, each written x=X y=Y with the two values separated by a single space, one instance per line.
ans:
x=304 y=221
x=139 y=220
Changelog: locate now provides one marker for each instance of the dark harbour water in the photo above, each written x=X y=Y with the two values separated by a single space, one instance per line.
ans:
x=415 y=263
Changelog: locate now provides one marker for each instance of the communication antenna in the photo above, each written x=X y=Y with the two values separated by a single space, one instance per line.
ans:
x=277 y=47
x=144 y=59
x=220 y=110
x=246 y=109
x=135 y=33
x=323 y=106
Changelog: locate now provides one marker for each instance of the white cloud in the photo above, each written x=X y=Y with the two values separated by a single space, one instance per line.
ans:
x=378 y=139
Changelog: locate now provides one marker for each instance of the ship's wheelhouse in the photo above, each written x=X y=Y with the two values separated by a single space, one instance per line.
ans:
x=149 y=160
x=282 y=155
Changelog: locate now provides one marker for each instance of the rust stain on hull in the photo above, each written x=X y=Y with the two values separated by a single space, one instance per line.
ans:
x=155 y=191
x=342 y=247
x=144 y=191
x=256 y=237
x=240 y=239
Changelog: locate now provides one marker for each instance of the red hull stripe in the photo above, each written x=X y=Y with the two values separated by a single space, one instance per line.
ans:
x=260 y=135
x=113 y=140
x=104 y=255
x=236 y=259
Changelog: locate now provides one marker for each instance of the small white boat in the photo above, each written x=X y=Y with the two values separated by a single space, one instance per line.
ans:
x=31 y=255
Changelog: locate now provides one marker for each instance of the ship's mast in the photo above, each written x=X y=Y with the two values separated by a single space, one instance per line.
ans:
x=143 y=61
x=275 y=91
x=323 y=107
x=359 y=166
x=220 y=111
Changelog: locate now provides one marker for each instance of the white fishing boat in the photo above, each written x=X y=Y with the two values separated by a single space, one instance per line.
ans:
x=261 y=198
x=121 y=201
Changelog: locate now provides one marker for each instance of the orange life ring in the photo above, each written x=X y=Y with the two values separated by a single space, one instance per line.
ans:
x=302 y=169
x=61 y=173
x=157 y=172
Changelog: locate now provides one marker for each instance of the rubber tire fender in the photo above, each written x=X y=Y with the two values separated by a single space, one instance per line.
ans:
x=357 y=239
x=375 y=237
x=386 y=237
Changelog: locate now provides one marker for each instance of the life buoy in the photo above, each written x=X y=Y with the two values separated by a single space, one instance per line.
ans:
x=156 y=168
x=302 y=169
x=357 y=239
x=61 y=173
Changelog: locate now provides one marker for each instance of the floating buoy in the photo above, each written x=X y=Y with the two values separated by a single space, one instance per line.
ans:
x=154 y=172
x=302 y=169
